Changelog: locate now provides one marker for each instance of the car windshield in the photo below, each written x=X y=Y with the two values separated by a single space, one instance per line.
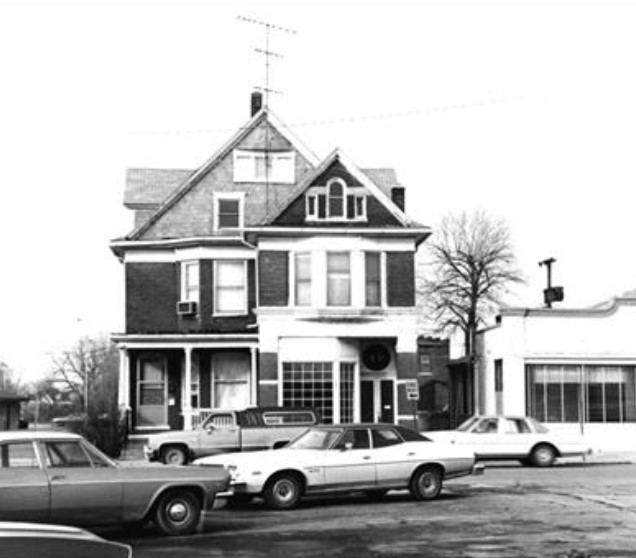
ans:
x=315 y=438
x=465 y=426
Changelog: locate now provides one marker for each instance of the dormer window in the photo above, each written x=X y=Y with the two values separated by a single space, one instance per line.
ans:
x=335 y=202
x=228 y=210
x=264 y=166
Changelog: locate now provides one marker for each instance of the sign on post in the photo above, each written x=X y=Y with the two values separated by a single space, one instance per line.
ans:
x=412 y=390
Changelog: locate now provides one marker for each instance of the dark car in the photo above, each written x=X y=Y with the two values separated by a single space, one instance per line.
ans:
x=58 y=477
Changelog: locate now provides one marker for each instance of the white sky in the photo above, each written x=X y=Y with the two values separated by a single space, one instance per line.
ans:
x=526 y=109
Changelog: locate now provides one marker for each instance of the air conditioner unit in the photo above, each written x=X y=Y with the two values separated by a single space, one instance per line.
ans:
x=186 y=308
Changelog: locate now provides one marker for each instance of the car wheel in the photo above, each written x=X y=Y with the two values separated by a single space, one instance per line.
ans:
x=376 y=494
x=177 y=513
x=282 y=492
x=426 y=483
x=174 y=455
x=543 y=455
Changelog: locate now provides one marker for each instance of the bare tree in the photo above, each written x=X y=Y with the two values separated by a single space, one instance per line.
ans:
x=89 y=372
x=471 y=265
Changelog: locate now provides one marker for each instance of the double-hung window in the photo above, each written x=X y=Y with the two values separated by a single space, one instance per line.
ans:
x=228 y=211
x=373 y=279
x=338 y=279
x=302 y=278
x=190 y=282
x=230 y=287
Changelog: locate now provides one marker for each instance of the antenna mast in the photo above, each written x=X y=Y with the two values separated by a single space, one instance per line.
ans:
x=267 y=54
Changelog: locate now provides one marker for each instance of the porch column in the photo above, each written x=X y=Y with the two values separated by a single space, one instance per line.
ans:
x=123 y=395
x=187 y=390
x=253 y=379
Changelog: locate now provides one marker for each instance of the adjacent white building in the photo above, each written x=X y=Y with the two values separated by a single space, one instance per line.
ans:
x=574 y=369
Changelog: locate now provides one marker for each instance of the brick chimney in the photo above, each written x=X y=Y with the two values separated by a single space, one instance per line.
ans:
x=257 y=102
x=397 y=196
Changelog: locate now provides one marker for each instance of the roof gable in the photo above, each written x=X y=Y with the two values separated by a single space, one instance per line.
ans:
x=292 y=211
x=188 y=209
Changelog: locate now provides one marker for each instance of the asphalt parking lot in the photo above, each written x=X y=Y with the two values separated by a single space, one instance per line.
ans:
x=574 y=510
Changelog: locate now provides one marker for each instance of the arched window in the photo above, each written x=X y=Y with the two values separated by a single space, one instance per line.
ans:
x=336 y=192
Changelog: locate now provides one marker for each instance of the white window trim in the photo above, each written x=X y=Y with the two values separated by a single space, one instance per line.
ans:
x=311 y=216
x=184 y=266
x=330 y=183
x=218 y=196
x=363 y=215
x=216 y=312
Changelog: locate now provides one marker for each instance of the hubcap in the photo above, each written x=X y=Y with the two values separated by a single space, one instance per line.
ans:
x=427 y=482
x=284 y=490
x=177 y=511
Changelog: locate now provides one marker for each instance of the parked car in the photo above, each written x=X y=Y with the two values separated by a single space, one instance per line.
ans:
x=252 y=429
x=32 y=540
x=58 y=477
x=512 y=437
x=373 y=458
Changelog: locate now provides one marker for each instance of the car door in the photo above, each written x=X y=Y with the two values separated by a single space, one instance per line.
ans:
x=484 y=437
x=394 y=459
x=220 y=434
x=515 y=437
x=349 y=464
x=24 y=487
x=85 y=489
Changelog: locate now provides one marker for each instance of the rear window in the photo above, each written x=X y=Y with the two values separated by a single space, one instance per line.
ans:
x=409 y=435
x=280 y=418
x=20 y=455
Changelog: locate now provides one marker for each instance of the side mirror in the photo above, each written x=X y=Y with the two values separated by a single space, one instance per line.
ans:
x=348 y=446
x=209 y=428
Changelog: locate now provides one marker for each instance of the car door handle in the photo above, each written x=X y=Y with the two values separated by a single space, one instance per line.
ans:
x=411 y=453
x=366 y=457
x=57 y=477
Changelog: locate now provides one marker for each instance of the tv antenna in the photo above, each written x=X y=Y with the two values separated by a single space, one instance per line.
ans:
x=266 y=52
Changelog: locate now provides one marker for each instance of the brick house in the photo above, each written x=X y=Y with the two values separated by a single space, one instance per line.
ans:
x=269 y=277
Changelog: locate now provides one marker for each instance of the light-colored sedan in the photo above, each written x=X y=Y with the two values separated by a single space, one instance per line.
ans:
x=58 y=477
x=373 y=458
x=512 y=437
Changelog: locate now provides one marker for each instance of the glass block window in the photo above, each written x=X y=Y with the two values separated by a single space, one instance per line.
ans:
x=347 y=371
x=309 y=384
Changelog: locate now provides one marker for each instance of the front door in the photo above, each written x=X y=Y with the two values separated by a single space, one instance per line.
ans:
x=376 y=400
x=152 y=391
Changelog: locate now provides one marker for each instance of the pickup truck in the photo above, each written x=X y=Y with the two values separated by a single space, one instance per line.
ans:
x=251 y=429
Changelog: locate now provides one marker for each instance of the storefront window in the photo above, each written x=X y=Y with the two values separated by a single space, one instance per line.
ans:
x=309 y=384
x=569 y=393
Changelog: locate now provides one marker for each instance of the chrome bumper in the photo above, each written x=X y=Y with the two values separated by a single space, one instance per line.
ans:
x=478 y=469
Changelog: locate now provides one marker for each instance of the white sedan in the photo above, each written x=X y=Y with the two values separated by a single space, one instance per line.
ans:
x=373 y=458
x=510 y=437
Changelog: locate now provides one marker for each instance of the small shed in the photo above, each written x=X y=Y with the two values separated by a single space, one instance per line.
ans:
x=10 y=410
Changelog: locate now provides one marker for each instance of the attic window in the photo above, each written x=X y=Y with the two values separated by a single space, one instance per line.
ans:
x=228 y=212
x=264 y=166
x=335 y=202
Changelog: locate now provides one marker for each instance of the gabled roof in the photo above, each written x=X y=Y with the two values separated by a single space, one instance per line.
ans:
x=363 y=177
x=264 y=115
x=151 y=187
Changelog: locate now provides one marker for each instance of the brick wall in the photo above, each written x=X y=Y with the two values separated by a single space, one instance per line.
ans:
x=400 y=273
x=272 y=281
x=152 y=291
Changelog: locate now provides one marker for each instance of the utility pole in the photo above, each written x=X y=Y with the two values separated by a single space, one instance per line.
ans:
x=551 y=294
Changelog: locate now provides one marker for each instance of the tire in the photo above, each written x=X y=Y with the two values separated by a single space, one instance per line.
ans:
x=282 y=492
x=376 y=494
x=174 y=455
x=177 y=513
x=543 y=455
x=426 y=483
